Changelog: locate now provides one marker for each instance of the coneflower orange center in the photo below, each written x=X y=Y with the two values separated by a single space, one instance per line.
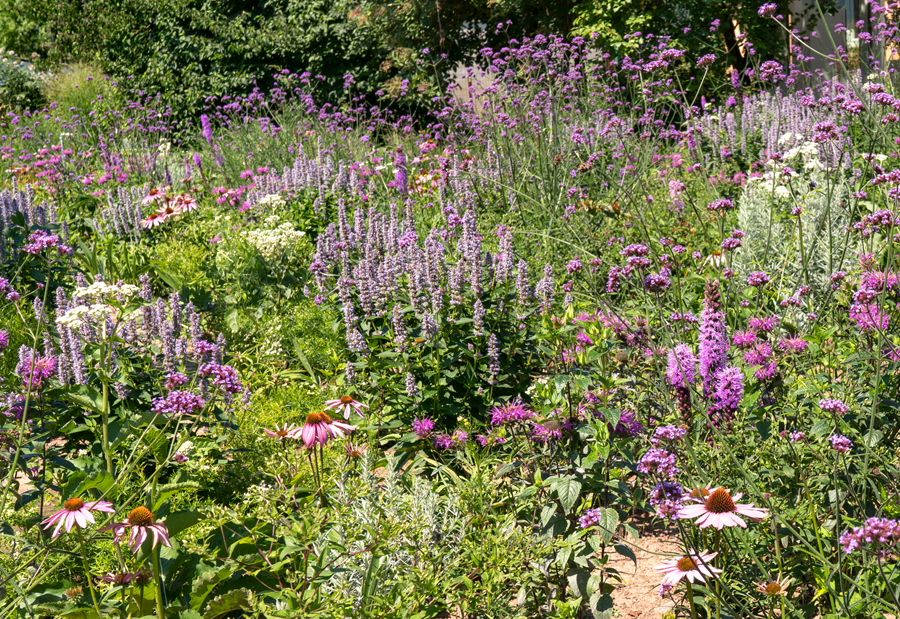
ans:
x=773 y=588
x=314 y=418
x=346 y=399
x=686 y=564
x=73 y=505
x=282 y=433
x=720 y=502
x=140 y=517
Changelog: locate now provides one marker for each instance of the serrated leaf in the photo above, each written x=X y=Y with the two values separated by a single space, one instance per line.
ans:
x=568 y=490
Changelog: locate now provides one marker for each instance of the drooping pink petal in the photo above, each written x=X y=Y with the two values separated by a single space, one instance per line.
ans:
x=309 y=435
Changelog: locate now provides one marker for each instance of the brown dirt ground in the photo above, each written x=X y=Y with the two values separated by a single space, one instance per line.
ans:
x=636 y=596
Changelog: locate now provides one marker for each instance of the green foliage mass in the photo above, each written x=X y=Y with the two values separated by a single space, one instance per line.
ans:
x=191 y=50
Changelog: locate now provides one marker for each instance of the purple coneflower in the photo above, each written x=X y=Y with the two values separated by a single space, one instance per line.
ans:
x=319 y=428
x=76 y=511
x=284 y=432
x=347 y=404
x=696 y=568
x=774 y=587
x=720 y=510
x=141 y=525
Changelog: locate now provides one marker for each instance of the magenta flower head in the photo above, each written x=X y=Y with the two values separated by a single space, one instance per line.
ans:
x=347 y=404
x=138 y=527
x=719 y=510
x=831 y=405
x=768 y=10
x=4 y=338
x=840 y=443
x=757 y=278
x=682 y=365
x=319 y=429
x=659 y=462
x=713 y=345
x=76 y=511
x=423 y=426
x=512 y=412
x=34 y=370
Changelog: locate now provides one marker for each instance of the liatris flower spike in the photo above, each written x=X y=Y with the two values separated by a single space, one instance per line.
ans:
x=137 y=527
x=347 y=404
x=76 y=511
x=719 y=510
x=696 y=568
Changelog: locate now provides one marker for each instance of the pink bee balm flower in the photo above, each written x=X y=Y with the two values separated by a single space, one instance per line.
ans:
x=76 y=511
x=140 y=523
x=319 y=428
x=285 y=431
x=696 y=568
x=719 y=510
x=346 y=404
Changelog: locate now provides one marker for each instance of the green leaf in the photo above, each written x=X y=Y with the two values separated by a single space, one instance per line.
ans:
x=609 y=521
x=873 y=437
x=626 y=551
x=601 y=605
x=232 y=319
x=180 y=521
x=567 y=489
x=227 y=603
x=578 y=581
x=80 y=482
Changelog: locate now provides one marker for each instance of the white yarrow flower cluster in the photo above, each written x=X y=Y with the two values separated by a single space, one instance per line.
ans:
x=101 y=289
x=76 y=316
x=272 y=200
x=274 y=240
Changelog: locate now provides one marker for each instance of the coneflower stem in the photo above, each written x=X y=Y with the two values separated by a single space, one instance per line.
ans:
x=690 y=596
x=718 y=590
x=87 y=571
x=160 y=606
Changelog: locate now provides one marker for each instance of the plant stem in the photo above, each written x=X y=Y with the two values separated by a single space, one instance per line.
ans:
x=106 y=454
x=87 y=571
x=690 y=596
x=160 y=606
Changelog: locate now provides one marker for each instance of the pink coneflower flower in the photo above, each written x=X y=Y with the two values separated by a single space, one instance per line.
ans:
x=76 y=511
x=285 y=431
x=696 y=568
x=140 y=523
x=140 y=577
x=719 y=510
x=167 y=211
x=347 y=404
x=774 y=587
x=319 y=428
x=155 y=195
x=354 y=451
x=152 y=220
x=184 y=203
